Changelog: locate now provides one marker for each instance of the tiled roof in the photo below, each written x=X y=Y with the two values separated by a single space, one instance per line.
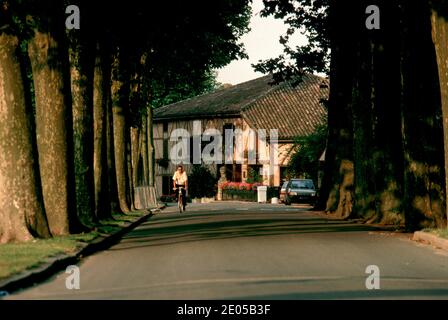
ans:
x=293 y=111
x=222 y=102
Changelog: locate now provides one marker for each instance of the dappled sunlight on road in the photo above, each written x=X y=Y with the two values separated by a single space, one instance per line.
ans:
x=232 y=220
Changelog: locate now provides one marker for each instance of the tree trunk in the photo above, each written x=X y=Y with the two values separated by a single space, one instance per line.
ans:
x=100 y=89
x=111 y=168
x=422 y=124
x=364 y=153
x=387 y=136
x=22 y=214
x=119 y=128
x=129 y=182
x=440 y=39
x=52 y=122
x=377 y=120
x=135 y=152
x=81 y=70
x=337 y=192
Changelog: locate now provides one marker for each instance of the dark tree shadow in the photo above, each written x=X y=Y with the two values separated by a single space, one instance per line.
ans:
x=201 y=227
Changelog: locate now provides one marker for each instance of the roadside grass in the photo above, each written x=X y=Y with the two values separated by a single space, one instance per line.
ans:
x=118 y=221
x=442 y=233
x=19 y=257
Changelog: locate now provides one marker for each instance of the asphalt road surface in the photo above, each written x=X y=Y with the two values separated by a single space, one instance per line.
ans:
x=236 y=250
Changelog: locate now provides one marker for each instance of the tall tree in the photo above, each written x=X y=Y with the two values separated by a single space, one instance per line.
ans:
x=381 y=163
x=119 y=104
x=49 y=61
x=82 y=58
x=377 y=118
x=198 y=43
x=101 y=97
x=439 y=19
x=93 y=119
x=338 y=183
x=422 y=126
x=22 y=214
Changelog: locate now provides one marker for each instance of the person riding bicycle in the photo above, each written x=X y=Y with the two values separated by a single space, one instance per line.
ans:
x=180 y=179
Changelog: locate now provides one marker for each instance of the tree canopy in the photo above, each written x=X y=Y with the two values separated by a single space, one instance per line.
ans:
x=385 y=144
x=88 y=143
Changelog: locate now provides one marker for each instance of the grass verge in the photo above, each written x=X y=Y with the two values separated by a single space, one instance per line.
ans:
x=19 y=257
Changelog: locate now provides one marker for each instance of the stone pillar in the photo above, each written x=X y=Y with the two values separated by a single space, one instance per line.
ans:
x=277 y=177
x=221 y=180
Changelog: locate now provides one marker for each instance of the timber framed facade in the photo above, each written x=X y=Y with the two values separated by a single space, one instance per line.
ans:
x=255 y=105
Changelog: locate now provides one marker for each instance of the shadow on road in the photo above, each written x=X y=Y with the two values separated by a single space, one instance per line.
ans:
x=175 y=229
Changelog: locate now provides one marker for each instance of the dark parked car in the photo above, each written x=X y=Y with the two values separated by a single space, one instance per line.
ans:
x=300 y=191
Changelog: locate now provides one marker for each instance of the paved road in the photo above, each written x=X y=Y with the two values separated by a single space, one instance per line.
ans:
x=252 y=251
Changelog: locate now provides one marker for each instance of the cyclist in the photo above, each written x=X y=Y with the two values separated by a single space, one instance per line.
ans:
x=180 y=179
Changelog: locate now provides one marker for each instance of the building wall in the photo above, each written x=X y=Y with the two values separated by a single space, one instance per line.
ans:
x=162 y=134
x=163 y=146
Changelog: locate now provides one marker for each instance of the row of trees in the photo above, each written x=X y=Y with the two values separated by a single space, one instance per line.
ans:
x=387 y=144
x=75 y=105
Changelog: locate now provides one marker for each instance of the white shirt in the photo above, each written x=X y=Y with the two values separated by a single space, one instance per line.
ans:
x=180 y=178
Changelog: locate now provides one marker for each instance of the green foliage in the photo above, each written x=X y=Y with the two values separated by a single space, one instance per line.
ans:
x=181 y=49
x=253 y=176
x=201 y=182
x=308 y=149
x=310 y=18
x=240 y=195
x=178 y=89
x=167 y=50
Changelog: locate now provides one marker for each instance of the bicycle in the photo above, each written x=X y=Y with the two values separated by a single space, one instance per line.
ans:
x=180 y=202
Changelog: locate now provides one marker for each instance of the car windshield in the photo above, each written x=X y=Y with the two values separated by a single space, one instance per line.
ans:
x=302 y=184
x=285 y=185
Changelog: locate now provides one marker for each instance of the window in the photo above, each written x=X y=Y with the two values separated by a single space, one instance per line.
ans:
x=233 y=172
x=302 y=184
